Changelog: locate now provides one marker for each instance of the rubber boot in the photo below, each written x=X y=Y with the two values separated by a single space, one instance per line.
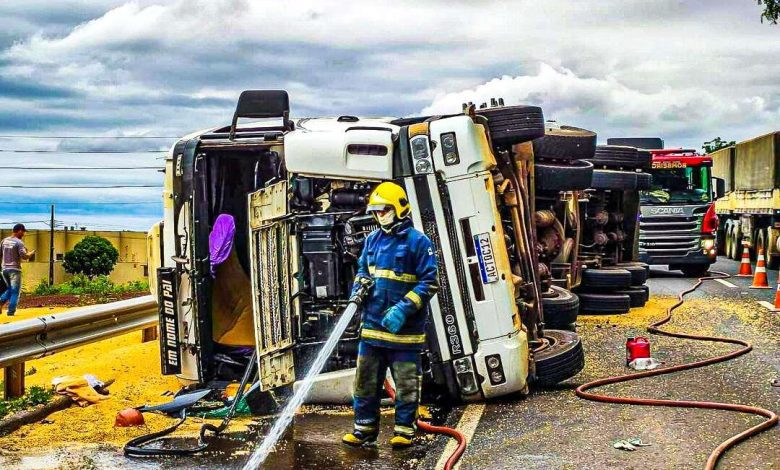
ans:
x=399 y=441
x=360 y=439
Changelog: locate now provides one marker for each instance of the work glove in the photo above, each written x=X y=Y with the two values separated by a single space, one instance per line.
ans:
x=394 y=319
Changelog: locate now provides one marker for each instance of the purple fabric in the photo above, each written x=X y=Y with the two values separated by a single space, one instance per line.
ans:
x=221 y=240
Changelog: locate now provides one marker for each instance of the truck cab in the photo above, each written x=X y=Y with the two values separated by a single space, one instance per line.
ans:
x=678 y=224
x=296 y=191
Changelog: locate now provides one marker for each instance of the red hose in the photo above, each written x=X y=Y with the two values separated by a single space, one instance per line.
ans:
x=454 y=433
x=717 y=453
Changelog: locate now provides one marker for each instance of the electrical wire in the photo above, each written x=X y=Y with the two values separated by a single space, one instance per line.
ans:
x=86 y=137
x=82 y=151
x=80 y=203
x=81 y=168
x=653 y=328
x=83 y=187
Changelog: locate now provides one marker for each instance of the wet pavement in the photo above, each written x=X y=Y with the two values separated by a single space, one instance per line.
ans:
x=552 y=429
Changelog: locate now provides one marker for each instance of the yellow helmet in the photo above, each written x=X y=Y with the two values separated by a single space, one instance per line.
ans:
x=390 y=194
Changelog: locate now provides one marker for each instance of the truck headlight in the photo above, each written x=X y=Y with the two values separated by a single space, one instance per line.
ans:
x=708 y=244
x=495 y=369
x=464 y=374
x=422 y=166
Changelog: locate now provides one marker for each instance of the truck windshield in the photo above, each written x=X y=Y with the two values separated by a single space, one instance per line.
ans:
x=679 y=185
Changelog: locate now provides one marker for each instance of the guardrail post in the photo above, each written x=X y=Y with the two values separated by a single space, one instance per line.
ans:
x=149 y=334
x=14 y=381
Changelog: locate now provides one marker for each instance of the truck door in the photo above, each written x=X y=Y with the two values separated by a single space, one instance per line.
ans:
x=274 y=262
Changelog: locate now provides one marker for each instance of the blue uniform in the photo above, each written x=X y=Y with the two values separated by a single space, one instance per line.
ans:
x=403 y=266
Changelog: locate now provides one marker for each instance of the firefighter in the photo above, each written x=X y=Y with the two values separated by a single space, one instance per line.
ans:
x=400 y=261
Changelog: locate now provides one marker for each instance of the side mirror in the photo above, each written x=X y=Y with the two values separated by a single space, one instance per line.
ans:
x=720 y=187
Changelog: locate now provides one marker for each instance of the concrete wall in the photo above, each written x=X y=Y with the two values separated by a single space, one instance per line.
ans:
x=130 y=267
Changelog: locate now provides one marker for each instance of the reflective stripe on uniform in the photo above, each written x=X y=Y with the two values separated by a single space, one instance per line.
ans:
x=365 y=428
x=391 y=338
x=412 y=295
x=404 y=430
x=390 y=274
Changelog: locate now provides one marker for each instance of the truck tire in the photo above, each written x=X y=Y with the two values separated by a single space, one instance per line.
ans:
x=575 y=176
x=566 y=143
x=560 y=308
x=638 y=295
x=644 y=159
x=511 y=125
x=604 y=304
x=644 y=181
x=613 y=179
x=639 y=272
x=562 y=359
x=605 y=279
x=615 y=156
x=695 y=270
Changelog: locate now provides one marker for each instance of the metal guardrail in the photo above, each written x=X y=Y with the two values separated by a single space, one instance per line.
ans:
x=35 y=338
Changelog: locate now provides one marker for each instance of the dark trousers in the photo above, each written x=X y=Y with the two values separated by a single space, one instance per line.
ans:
x=372 y=366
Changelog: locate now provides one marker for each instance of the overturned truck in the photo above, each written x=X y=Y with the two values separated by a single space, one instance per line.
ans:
x=297 y=190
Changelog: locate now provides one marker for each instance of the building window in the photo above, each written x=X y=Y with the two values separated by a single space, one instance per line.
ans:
x=59 y=257
x=146 y=270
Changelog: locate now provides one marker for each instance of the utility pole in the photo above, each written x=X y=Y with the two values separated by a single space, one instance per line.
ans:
x=51 y=248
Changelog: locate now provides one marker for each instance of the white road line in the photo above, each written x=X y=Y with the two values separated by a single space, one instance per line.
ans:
x=767 y=305
x=726 y=283
x=468 y=426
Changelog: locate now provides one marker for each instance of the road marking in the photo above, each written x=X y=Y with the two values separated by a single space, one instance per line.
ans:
x=468 y=426
x=726 y=283
x=767 y=305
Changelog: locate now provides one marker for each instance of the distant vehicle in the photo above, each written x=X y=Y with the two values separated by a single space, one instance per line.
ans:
x=677 y=225
x=750 y=208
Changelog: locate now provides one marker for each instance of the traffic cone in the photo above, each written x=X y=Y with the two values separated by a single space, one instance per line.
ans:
x=744 y=269
x=777 y=296
x=759 y=280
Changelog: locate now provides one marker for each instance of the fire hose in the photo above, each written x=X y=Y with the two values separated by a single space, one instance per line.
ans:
x=653 y=328
x=429 y=428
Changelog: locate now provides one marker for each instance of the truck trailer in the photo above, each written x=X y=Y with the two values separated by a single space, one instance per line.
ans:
x=749 y=173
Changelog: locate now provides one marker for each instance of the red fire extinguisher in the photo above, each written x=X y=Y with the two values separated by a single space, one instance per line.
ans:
x=636 y=348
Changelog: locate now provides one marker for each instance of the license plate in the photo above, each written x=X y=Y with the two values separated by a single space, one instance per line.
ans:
x=167 y=301
x=487 y=261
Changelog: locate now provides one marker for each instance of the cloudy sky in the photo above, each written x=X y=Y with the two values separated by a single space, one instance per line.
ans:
x=687 y=71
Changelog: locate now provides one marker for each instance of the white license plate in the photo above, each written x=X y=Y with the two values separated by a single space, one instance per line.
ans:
x=487 y=261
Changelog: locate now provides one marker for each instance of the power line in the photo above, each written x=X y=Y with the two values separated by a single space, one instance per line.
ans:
x=80 y=203
x=82 y=168
x=86 y=137
x=81 y=151
x=82 y=187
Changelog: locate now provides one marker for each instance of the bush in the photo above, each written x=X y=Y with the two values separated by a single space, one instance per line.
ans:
x=92 y=256
x=100 y=286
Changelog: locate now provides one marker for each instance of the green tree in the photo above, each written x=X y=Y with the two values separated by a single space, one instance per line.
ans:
x=716 y=144
x=92 y=256
x=771 y=10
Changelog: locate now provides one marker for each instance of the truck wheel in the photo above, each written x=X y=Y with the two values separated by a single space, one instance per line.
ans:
x=644 y=181
x=562 y=359
x=615 y=156
x=575 y=176
x=639 y=272
x=566 y=143
x=511 y=125
x=638 y=295
x=695 y=270
x=561 y=308
x=604 y=304
x=614 y=278
x=613 y=179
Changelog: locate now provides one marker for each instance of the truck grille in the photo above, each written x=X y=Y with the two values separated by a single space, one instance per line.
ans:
x=669 y=236
x=273 y=287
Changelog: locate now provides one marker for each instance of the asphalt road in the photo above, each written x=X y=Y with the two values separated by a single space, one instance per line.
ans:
x=555 y=429
x=552 y=429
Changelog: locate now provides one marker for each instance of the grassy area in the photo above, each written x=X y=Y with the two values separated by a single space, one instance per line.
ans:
x=35 y=396
x=100 y=286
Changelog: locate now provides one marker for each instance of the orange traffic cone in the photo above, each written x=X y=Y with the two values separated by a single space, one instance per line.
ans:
x=777 y=296
x=744 y=269
x=759 y=280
